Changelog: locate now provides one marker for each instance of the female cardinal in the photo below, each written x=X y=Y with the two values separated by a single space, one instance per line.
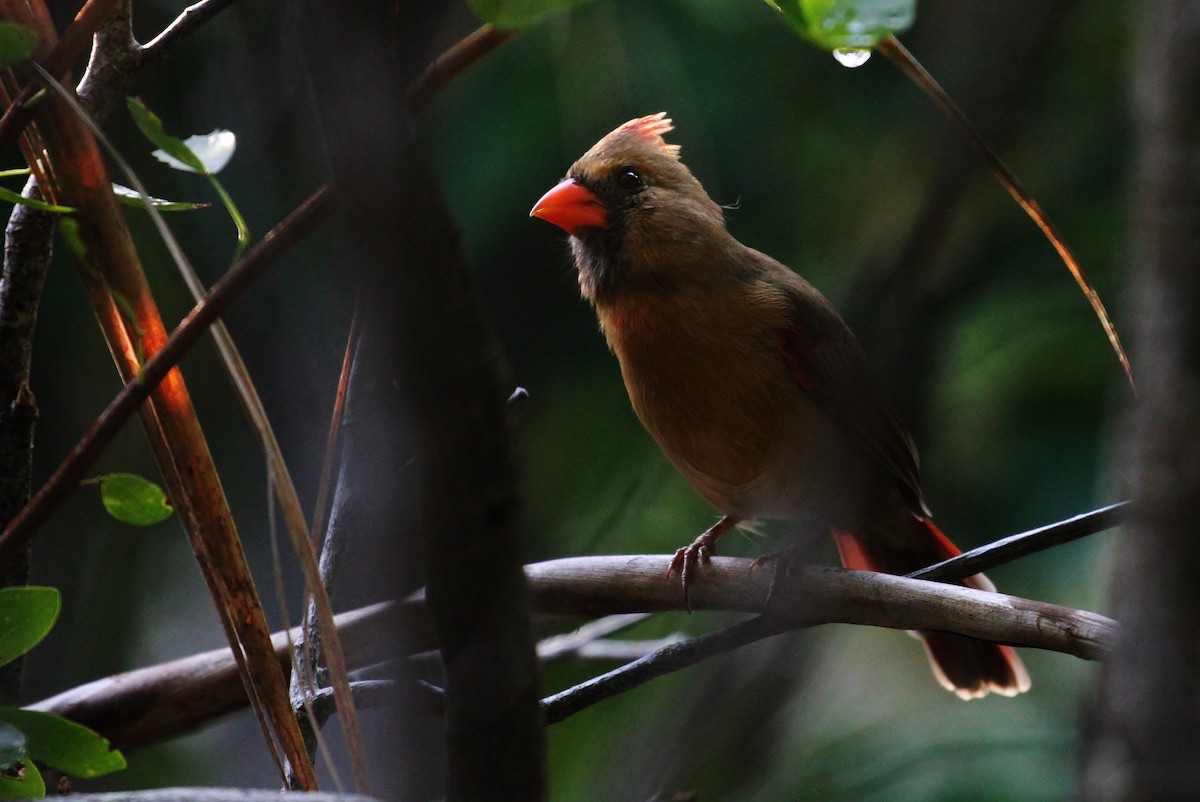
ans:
x=749 y=380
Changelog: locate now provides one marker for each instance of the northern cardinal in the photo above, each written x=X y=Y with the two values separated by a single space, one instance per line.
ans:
x=749 y=380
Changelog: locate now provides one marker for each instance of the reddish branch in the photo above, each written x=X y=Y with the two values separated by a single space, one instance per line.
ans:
x=65 y=479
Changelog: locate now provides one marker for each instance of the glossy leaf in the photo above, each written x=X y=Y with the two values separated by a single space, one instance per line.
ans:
x=841 y=24
x=13 y=747
x=64 y=745
x=151 y=126
x=17 y=43
x=22 y=782
x=131 y=197
x=26 y=615
x=133 y=499
x=513 y=15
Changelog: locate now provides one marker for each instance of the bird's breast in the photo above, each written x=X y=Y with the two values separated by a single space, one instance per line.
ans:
x=705 y=377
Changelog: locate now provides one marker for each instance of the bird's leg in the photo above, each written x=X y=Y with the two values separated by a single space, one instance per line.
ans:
x=700 y=552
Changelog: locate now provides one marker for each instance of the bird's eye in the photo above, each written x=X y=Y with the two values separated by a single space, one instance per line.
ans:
x=629 y=179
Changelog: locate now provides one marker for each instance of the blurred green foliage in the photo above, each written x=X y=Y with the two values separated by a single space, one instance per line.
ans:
x=850 y=177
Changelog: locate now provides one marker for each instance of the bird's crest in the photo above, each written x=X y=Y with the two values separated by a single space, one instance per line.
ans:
x=650 y=129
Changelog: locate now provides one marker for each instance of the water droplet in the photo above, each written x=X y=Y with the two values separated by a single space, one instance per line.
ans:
x=852 y=56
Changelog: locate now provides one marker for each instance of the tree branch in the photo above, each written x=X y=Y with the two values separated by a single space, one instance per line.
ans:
x=813 y=595
x=150 y=704
x=65 y=479
x=162 y=701
x=1014 y=547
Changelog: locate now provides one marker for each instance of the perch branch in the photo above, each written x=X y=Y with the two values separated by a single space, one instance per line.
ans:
x=150 y=704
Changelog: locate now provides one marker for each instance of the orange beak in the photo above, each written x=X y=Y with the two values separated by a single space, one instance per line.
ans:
x=571 y=206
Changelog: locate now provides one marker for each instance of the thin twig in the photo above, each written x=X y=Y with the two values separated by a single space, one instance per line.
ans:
x=453 y=61
x=1020 y=545
x=188 y=21
x=909 y=65
x=558 y=646
x=66 y=477
x=665 y=660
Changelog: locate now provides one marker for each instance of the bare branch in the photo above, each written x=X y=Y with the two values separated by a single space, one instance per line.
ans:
x=1014 y=547
x=813 y=595
x=188 y=21
x=153 y=703
x=161 y=701
x=66 y=477
x=907 y=64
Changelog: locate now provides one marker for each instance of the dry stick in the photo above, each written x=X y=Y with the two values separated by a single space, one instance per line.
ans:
x=281 y=481
x=65 y=479
x=909 y=65
x=1014 y=547
x=119 y=45
x=681 y=655
x=184 y=24
x=149 y=704
x=453 y=61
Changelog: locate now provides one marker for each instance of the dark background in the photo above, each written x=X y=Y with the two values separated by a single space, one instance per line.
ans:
x=849 y=176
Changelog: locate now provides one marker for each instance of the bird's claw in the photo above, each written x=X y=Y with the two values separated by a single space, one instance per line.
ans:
x=688 y=558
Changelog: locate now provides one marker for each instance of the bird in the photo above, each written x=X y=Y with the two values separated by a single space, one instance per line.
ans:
x=750 y=381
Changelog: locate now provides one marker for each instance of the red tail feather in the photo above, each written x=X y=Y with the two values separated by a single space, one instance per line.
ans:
x=970 y=667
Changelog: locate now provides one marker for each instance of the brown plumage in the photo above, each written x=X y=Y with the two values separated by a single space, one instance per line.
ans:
x=749 y=379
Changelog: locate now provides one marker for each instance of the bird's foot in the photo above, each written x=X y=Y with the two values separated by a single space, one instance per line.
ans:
x=699 y=553
x=785 y=563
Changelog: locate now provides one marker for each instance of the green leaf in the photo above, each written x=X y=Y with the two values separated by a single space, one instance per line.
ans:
x=844 y=24
x=10 y=196
x=26 y=615
x=134 y=500
x=13 y=747
x=149 y=124
x=513 y=15
x=64 y=745
x=24 y=782
x=17 y=43
x=131 y=197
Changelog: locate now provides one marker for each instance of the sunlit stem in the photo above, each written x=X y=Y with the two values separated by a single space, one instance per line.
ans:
x=243 y=231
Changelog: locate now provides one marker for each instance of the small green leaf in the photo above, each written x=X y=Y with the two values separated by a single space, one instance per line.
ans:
x=9 y=196
x=64 y=745
x=842 y=24
x=134 y=500
x=149 y=124
x=26 y=615
x=17 y=43
x=12 y=746
x=131 y=197
x=22 y=782
x=513 y=15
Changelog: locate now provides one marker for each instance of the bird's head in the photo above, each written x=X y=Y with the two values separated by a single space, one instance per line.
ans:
x=636 y=215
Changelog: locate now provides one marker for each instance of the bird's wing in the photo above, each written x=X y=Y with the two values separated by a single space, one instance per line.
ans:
x=827 y=362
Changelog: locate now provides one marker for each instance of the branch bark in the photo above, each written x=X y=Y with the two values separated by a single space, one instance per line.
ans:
x=158 y=702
